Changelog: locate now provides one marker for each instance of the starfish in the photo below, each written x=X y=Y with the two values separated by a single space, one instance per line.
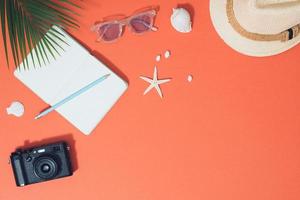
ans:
x=154 y=83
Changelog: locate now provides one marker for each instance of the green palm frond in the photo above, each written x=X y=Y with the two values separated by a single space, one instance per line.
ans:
x=24 y=24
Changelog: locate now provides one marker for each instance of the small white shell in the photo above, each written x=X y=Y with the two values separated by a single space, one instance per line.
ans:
x=167 y=54
x=181 y=20
x=158 y=57
x=190 y=78
x=16 y=108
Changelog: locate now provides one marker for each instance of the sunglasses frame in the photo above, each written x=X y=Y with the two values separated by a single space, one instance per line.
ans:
x=125 y=22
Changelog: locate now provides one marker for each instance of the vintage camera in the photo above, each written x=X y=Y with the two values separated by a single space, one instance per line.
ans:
x=42 y=163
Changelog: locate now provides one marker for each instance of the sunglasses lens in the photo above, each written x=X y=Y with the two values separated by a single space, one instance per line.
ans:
x=110 y=32
x=141 y=23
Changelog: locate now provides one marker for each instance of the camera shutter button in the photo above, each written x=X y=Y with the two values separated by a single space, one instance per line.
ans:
x=28 y=158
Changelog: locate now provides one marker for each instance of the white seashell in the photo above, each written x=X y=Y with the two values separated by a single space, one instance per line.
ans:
x=181 y=20
x=167 y=54
x=16 y=108
x=157 y=58
x=190 y=78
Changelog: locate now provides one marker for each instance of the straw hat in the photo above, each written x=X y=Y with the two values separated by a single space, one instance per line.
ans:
x=257 y=27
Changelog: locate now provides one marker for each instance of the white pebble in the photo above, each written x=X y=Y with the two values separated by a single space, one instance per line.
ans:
x=16 y=108
x=167 y=54
x=190 y=78
x=158 y=58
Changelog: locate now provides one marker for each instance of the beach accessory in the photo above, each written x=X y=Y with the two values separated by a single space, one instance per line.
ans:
x=158 y=57
x=154 y=83
x=257 y=27
x=181 y=20
x=111 y=30
x=190 y=78
x=167 y=54
x=16 y=108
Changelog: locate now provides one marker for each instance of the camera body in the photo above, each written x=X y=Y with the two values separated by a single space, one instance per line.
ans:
x=41 y=163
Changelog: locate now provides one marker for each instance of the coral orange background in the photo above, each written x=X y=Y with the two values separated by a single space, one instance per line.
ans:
x=231 y=134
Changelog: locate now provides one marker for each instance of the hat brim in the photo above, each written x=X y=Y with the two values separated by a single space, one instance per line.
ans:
x=238 y=42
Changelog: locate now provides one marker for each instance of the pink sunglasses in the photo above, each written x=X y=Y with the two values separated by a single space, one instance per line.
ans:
x=111 y=30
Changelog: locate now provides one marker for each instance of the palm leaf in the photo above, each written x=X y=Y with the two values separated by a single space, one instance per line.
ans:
x=26 y=23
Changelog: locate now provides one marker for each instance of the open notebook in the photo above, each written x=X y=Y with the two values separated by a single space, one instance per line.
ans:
x=72 y=70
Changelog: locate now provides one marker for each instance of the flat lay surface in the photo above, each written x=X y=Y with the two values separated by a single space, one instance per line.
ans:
x=230 y=133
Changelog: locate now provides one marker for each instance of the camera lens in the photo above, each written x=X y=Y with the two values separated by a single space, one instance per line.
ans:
x=45 y=167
